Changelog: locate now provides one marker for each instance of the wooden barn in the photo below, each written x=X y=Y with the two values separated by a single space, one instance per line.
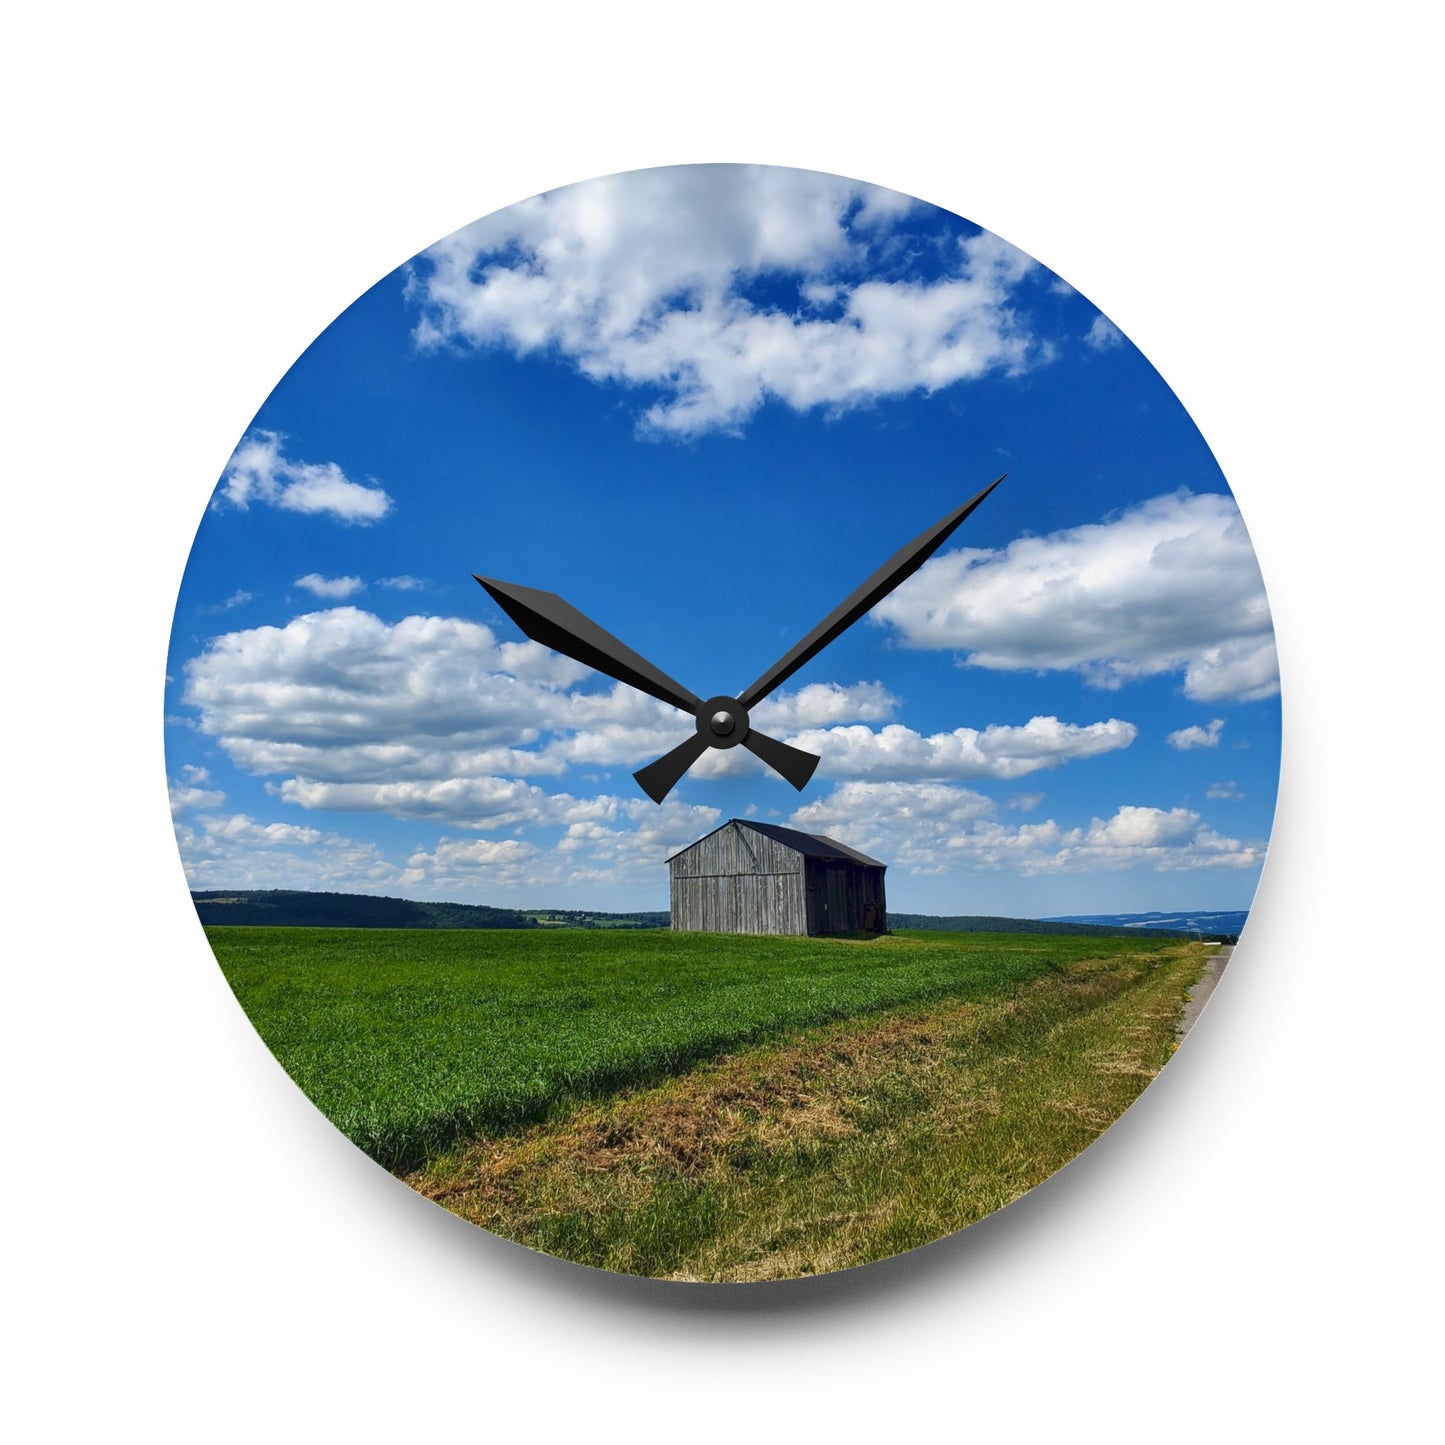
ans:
x=748 y=877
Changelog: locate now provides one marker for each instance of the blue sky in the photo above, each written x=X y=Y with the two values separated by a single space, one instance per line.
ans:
x=702 y=404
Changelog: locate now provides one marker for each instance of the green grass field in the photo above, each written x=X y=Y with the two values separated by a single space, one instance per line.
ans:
x=837 y=1146
x=411 y=1042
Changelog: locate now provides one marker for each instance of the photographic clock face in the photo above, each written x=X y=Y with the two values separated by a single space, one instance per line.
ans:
x=700 y=408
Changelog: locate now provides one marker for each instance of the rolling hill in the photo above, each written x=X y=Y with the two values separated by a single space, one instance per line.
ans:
x=273 y=907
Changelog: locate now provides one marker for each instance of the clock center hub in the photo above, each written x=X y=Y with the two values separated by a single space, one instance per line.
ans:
x=722 y=721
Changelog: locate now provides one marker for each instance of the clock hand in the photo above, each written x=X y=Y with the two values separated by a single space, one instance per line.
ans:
x=547 y=618
x=659 y=778
x=793 y=763
x=904 y=563
x=722 y=722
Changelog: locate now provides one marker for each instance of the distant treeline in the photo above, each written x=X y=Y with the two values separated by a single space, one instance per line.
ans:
x=283 y=908
x=287 y=908
x=970 y=923
x=591 y=918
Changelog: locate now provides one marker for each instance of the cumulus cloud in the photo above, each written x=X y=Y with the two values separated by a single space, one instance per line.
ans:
x=1171 y=585
x=433 y=718
x=190 y=791
x=259 y=471
x=238 y=598
x=654 y=279
x=481 y=802
x=239 y=852
x=604 y=840
x=404 y=583
x=821 y=703
x=341 y=696
x=459 y=864
x=1103 y=335
x=1220 y=792
x=334 y=588
x=934 y=828
x=241 y=828
x=998 y=751
x=597 y=852
x=1196 y=737
x=607 y=840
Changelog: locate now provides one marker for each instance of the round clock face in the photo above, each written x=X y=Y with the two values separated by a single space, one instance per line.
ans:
x=775 y=864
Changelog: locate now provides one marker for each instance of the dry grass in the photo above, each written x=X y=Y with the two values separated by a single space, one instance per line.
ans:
x=845 y=1144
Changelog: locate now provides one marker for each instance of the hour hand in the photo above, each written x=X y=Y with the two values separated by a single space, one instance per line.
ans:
x=547 y=619
x=720 y=723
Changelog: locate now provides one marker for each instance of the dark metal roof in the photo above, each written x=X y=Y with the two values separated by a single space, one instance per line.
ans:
x=810 y=845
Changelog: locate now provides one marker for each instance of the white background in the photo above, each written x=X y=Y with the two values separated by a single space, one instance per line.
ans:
x=194 y=194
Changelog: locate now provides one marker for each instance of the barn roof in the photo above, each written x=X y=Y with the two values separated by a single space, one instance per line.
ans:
x=811 y=845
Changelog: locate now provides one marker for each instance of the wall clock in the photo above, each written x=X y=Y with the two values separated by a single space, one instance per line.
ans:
x=695 y=408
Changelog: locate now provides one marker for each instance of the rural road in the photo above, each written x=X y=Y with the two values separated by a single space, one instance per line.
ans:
x=1199 y=994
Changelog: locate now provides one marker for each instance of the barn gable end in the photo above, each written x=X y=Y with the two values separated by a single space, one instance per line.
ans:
x=747 y=877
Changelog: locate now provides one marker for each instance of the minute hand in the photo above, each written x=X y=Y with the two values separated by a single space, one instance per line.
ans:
x=903 y=564
x=549 y=619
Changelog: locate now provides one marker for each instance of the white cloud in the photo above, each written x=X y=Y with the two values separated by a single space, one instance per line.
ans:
x=404 y=583
x=642 y=279
x=239 y=852
x=433 y=718
x=341 y=697
x=239 y=598
x=998 y=751
x=260 y=472
x=821 y=703
x=1220 y=792
x=344 y=674
x=908 y=825
x=607 y=840
x=241 y=828
x=603 y=841
x=190 y=794
x=935 y=828
x=1246 y=668
x=333 y=588
x=1170 y=585
x=1103 y=335
x=472 y=802
x=462 y=865
x=600 y=852
x=1196 y=737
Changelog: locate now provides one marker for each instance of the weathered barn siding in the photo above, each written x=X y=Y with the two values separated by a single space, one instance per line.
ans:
x=757 y=878
x=732 y=851
x=770 y=904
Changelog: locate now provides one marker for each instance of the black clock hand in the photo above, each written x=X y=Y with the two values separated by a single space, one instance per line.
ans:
x=659 y=778
x=903 y=564
x=547 y=618
x=722 y=722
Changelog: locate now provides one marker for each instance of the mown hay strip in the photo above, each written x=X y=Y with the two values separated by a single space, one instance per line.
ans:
x=845 y=1144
